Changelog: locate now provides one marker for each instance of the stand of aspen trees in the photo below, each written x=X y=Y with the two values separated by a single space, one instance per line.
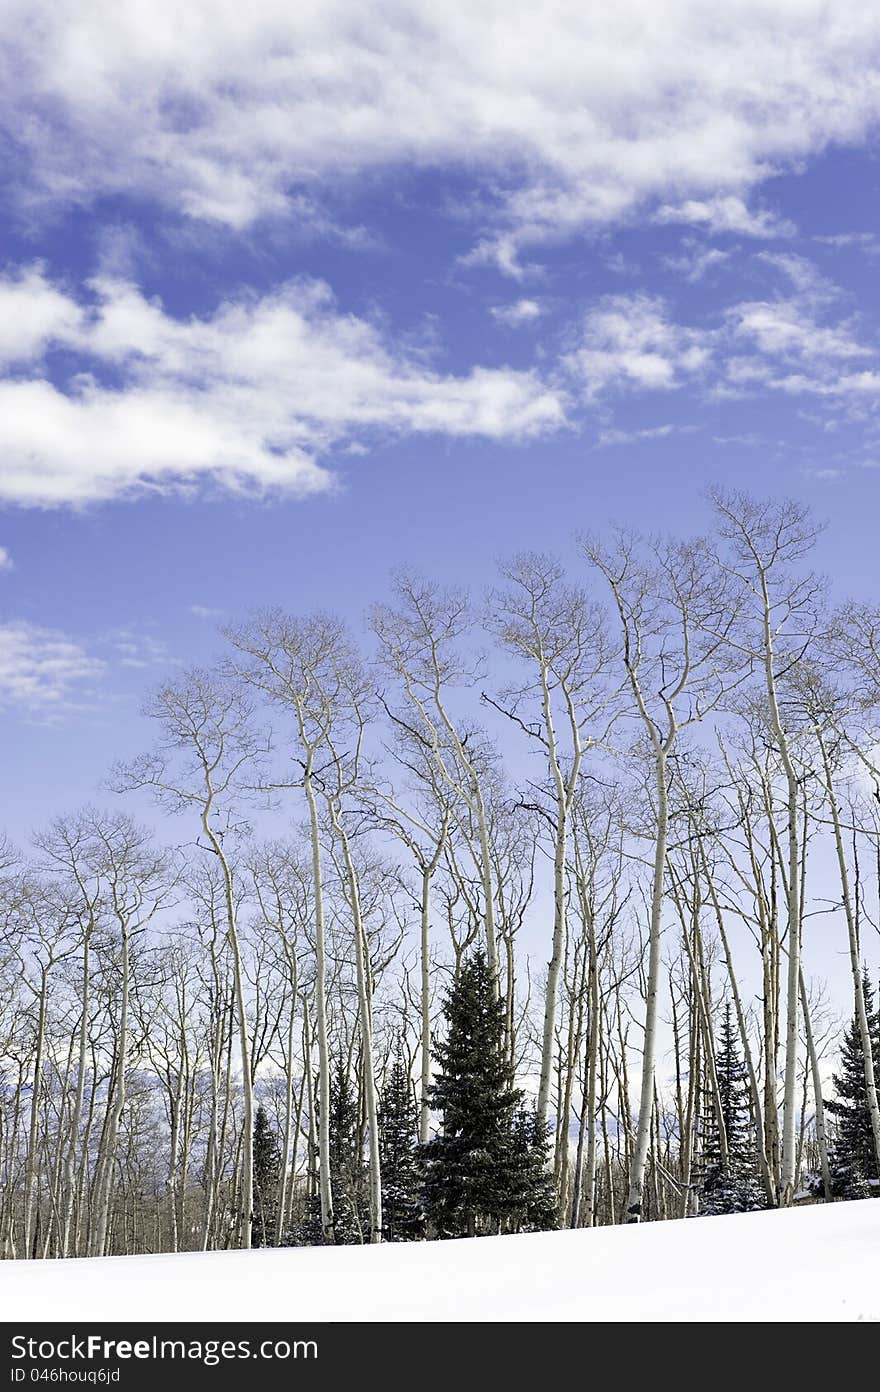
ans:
x=648 y=790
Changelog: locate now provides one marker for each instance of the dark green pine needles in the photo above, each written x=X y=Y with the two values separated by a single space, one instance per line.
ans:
x=484 y=1172
x=267 y=1176
x=853 y=1158
x=403 y=1216
x=731 y=1187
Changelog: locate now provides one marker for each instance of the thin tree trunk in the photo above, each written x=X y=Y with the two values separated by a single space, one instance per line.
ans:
x=855 y=965
x=327 y=1217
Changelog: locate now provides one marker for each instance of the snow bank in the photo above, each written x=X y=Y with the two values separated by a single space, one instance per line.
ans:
x=812 y=1263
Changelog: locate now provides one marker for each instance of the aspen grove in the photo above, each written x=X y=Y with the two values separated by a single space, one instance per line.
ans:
x=634 y=799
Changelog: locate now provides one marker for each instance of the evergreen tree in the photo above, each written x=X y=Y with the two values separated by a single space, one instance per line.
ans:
x=267 y=1176
x=346 y=1162
x=534 y=1204
x=852 y=1158
x=402 y=1213
x=474 y=1169
x=350 y=1218
x=734 y=1187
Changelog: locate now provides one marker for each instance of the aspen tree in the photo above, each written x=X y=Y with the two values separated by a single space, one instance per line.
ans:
x=562 y=637
x=764 y=540
x=137 y=881
x=209 y=760
x=675 y=616
x=420 y=646
x=424 y=833
x=283 y=890
x=286 y=659
x=42 y=922
x=855 y=642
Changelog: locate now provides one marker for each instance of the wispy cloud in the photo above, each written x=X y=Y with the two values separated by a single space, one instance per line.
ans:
x=727 y=213
x=799 y=342
x=822 y=475
x=6 y=561
x=802 y=340
x=568 y=115
x=632 y=342
x=651 y=432
x=696 y=261
x=247 y=399
x=132 y=648
x=43 y=672
x=802 y=274
x=518 y=313
x=784 y=329
x=868 y=242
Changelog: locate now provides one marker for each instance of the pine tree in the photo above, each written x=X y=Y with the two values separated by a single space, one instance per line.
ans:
x=733 y=1187
x=474 y=1178
x=267 y=1176
x=402 y=1212
x=534 y=1204
x=350 y=1211
x=346 y=1161
x=852 y=1158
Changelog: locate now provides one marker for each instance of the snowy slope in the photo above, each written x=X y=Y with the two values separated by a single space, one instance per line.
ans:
x=813 y=1263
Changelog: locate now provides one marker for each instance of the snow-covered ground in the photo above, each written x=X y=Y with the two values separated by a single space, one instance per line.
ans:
x=813 y=1263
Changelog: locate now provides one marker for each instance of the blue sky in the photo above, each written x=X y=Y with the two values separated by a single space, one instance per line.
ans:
x=287 y=299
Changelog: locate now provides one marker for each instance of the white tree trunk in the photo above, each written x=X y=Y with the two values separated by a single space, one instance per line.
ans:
x=855 y=966
x=646 y=1100
x=326 y=1193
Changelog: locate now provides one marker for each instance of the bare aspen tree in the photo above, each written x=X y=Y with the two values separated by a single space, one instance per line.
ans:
x=348 y=702
x=136 y=880
x=779 y=609
x=562 y=637
x=662 y=801
x=678 y=670
x=292 y=662
x=751 y=857
x=420 y=646
x=855 y=642
x=41 y=923
x=424 y=834
x=768 y=1178
x=601 y=896
x=206 y=891
x=283 y=889
x=207 y=762
x=66 y=853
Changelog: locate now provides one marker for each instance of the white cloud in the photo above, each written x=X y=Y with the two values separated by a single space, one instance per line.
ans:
x=845 y=385
x=823 y=475
x=6 y=561
x=205 y=611
x=134 y=649
x=247 y=399
x=750 y=440
x=632 y=437
x=630 y=341
x=784 y=329
x=798 y=343
x=784 y=345
x=569 y=114
x=868 y=242
x=695 y=262
x=42 y=671
x=32 y=313
x=727 y=213
x=518 y=313
x=803 y=275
